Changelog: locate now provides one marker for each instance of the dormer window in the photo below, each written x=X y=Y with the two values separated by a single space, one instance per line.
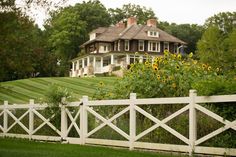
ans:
x=92 y=36
x=153 y=34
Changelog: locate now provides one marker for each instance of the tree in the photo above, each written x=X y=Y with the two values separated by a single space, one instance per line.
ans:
x=186 y=32
x=216 y=49
x=69 y=28
x=225 y=21
x=211 y=47
x=131 y=10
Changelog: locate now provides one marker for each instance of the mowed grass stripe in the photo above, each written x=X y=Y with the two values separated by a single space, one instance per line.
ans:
x=15 y=94
x=78 y=83
x=84 y=90
x=89 y=84
x=27 y=92
x=20 y=91
x=11 y=99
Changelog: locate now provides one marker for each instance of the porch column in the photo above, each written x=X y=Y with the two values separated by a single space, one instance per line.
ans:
x=88 y=61
x=83 y=63
x=77 y=65
x=73 y=65
x=112 y=59
x=101 y=64
x=94 y=62
x=127 y=59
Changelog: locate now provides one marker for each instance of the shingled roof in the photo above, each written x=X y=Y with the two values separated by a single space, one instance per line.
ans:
x=138 y=32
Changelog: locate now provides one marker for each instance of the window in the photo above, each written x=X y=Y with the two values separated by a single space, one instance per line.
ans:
x=166 y=46
x=119 y=45
x=153 y=34
x=153 y=46
x=141 y=45
x=115 y=46
x=176 y=48
x=126 y=45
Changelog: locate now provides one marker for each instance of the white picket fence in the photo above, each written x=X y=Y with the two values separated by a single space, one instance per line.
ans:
x=133 y=106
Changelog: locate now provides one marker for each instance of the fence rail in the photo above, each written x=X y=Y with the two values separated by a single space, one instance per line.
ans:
x=78 y=119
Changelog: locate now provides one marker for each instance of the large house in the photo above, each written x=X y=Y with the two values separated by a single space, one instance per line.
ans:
x=115 y=47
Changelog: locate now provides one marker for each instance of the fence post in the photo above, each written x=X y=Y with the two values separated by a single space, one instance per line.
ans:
x=64 y=122
x=83 y=119
x=31 y=118
x=192 y=121
x=5 y=118
x=132 y=121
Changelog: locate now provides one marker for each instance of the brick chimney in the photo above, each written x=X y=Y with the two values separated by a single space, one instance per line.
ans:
x=131 y=21
x=120 y=24
x=152 y=22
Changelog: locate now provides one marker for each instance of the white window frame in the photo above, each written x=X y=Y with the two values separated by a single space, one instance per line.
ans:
x=176 y=48
x=118 y=47
x=168 y=47
x=153 y=34
x=126 y=45
x=139 y=44
x=150 y=46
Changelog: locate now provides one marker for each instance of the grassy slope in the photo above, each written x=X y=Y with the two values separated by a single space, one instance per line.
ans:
x=20 y=91
x=25 y=148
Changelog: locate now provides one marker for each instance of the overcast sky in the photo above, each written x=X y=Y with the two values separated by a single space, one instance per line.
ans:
x=178 y=11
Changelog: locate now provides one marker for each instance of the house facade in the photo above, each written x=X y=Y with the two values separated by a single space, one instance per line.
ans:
x=116 y=47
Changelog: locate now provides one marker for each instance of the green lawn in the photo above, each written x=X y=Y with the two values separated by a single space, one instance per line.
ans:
x=20 y=91
x=25 y=148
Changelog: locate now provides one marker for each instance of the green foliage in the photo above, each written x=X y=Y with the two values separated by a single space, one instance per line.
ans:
x=186 y=32
x=225 y=21
x=26 y=148
x=131 y=10
x=169 y=75
x=217 y=49
x=22 y=48
x=69 y=28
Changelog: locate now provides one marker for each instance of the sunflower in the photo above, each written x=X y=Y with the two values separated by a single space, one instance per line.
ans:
x=179 y=56
x=158 y=77
x=155 y=68
x=209 y=68
x=177 y=67
x=190 y=55
x=204 y=66
x=101 y=84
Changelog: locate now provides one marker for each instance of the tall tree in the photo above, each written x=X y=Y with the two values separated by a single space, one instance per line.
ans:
x=225 y=21
x=129 y=10
x=186 y=32
x=69 y=28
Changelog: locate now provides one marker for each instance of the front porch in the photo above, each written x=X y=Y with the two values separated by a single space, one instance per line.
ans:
x=99 y=64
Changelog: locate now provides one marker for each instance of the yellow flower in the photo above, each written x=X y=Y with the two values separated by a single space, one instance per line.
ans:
x=156 y=59
x=101 y=84
x=194 y=62
x=204 y=66
x=179 y=56
x=190 y=55
x=217 y=69
x=158 y=77
x=209 y=68
x=146 y=54
x=166 y=53
x=177 y=67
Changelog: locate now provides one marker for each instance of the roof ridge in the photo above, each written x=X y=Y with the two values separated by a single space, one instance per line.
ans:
x=143 y=26
x=125 y=31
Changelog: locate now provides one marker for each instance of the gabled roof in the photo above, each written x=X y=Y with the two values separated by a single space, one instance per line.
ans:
x=138 y=32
